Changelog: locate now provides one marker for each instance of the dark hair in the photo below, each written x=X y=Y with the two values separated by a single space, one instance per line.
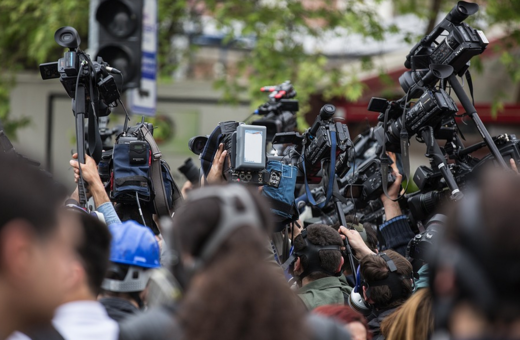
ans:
x=94 y=250
x=29 y=194
x=239 y=295
x=375 y=268
x=321 y=235
x=481 y=241
x=343 y=314
x=130 y=212
x=372 y=240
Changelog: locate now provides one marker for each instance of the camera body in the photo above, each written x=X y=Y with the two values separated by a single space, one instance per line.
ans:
x=430 y=110
x=462 y=43
x=366 y=184
x=246 y=147
x=279 y=112
x=315 y=146
x=68 y=70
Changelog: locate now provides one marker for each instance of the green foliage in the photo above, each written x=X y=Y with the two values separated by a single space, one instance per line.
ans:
x=278 y=54
x=28 y=26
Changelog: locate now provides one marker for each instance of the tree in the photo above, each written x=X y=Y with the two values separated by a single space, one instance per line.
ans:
x=278 y=28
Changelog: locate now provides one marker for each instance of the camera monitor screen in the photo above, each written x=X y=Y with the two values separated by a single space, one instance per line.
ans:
x=250 y=146
x=253 y=146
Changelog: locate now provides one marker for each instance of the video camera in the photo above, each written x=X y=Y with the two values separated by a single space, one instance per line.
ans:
x=456 y=50
x=325 y=140
x=432 y=108
x=76 y=68
x=279 y=112
x=93 y=91
x=246 y=150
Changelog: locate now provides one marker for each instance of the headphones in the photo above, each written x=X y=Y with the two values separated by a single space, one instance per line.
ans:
x=356 y=300
x=392 y=281
x=311 y=253
x=231 y=219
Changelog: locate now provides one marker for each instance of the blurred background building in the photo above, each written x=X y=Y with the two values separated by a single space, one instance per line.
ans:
x=190 y=105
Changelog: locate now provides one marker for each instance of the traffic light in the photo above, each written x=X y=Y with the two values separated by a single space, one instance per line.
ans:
x=119 y=34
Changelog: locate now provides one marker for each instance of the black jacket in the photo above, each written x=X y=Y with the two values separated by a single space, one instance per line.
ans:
x=160 y=324
x=375 y=320
x=118 y=309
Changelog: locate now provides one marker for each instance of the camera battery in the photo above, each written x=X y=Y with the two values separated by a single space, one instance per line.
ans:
x=138 y=152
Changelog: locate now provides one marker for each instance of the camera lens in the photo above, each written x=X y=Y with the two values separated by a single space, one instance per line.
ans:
x=66 y=37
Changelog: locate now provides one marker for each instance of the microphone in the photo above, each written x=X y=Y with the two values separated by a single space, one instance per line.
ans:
x=112 y=70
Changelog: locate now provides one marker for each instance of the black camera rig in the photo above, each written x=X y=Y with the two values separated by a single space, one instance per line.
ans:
x=93 y=91
x=279 y=112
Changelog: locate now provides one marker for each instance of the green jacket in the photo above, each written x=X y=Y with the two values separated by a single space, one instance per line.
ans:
x=326 y=291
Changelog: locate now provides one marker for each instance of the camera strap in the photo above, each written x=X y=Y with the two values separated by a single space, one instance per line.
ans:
x=160 y=199
x=211 y=147
x=331 y=174
x=470 y=86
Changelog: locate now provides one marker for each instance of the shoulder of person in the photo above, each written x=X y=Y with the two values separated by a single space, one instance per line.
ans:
x=156 y=324
x=325 y=329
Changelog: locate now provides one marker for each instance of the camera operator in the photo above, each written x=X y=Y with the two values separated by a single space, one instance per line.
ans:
x=37 y=242
x=231 y=291
x=134 y=252
x=387 y=276
x=96 y=189
x=317 y=270
x=475 y=270
x=388 y=284
x=396 y=230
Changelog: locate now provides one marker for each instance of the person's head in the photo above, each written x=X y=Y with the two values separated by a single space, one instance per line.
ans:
x=387 y=279
x=92 y=254
x=37 y=242
x=130 y=212
x=475 y=271
x=353 y=321
x=413 y=320
x=221 y=232
x=317 y=252
x=133 y=252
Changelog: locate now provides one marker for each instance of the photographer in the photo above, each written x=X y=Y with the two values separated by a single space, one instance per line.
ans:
x=317 y=268
x=388 y=283
x=96 y=189
x=37 y=241
x=396 y=230
x=134 y=252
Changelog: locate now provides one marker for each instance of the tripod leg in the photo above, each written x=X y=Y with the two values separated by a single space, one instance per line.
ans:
x=433 y=151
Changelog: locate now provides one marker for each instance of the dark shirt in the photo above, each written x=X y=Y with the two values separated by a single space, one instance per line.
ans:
x=160 y=323
x=118 y=309
x=397 y=233
x=375 y=320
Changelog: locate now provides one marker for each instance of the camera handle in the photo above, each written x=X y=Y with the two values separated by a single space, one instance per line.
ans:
x=79 y=111
x=434 y=153
x=472 y=112
x=341 y=218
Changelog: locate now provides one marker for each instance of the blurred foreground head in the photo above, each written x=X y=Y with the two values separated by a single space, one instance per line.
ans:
x=475 y=276
x=234 y=293
x=37 y=245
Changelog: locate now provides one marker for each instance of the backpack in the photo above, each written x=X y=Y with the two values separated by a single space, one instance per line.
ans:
x=147 y=181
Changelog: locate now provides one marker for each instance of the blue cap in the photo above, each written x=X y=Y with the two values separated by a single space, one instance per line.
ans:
x=135 y=245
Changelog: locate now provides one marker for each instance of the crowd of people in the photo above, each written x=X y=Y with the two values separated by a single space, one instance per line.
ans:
x=215 y=270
